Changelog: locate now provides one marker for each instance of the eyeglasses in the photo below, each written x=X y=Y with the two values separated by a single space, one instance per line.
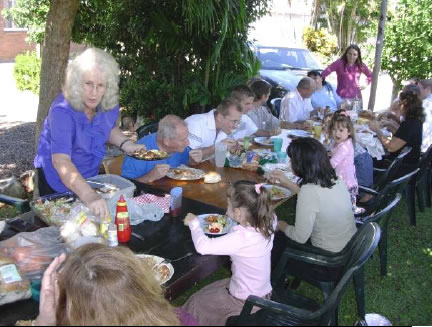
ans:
x=90 y=87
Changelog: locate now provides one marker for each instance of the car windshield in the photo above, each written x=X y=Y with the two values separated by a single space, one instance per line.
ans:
x=286 y=58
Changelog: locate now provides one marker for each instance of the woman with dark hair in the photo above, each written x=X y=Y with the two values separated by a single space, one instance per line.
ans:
x=324 y=209
x=348 y=69
x=324 y=95
x=410 y=133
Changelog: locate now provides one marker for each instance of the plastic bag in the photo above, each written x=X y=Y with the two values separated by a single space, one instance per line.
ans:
x=33 y=252
x=137 y=213
x=12 y=286
x=82 y=227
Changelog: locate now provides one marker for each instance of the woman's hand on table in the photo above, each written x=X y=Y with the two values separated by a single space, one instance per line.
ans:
x=97 y=205
x=278 y=177
x=49 y=295
x=130 y=147
x=189 y=218
x=281 y=226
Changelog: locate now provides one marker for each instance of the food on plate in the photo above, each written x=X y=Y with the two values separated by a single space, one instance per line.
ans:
x=215 y=224
x=237 y=149
x=185 y=173
x=366 y=114
x=276 y=192
x=150 y=155
x=161 y=271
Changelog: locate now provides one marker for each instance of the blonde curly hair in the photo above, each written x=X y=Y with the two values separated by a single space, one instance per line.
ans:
x=89 y=60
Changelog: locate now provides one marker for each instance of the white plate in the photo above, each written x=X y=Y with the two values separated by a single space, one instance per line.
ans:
x=299 y=133
x=197 y=174
x=287 y=193
x=285 y=168
x=225 y=230
x=263 y=141
x=158 y=260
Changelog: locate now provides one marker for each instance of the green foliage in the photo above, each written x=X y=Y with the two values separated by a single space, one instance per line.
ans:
x=27 y=72
x=408 y=41
x=320 y=41
x=174 y=55
x=31 y=14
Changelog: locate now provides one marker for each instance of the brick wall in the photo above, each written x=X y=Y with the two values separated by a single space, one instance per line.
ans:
x=12 y=43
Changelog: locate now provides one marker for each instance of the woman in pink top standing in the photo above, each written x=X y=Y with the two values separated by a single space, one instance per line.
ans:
x=249 y=245
x=342 y=155
x=349 y=69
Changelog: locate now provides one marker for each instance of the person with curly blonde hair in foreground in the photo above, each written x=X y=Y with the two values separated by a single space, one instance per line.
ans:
x=102 y=286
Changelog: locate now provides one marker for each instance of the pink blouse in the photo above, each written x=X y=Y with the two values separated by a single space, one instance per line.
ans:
x=250 y=254
x=348 y=78
x=342 y=161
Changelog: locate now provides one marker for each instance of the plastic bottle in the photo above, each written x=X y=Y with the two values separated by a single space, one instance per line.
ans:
x=122 y=221
x=112 y=235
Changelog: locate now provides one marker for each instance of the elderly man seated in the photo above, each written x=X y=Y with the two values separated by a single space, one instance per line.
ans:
x=171 y=137
x=205 y=130
x=296 y=106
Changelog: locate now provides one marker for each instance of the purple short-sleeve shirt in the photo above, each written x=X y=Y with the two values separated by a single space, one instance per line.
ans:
x=69 y=131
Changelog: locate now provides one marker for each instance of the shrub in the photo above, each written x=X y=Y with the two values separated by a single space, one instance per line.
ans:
x=320 y=41
x=27 y=72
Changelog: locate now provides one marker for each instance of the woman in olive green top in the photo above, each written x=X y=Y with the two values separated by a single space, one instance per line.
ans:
x=324 y=210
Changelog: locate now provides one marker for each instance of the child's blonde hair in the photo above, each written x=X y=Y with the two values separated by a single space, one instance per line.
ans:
x=342 y=119
x=243 y=194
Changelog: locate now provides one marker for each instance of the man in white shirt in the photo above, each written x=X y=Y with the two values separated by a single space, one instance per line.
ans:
x=426 y=94
x=205 y=130
x=245 y=97
x=296 y=106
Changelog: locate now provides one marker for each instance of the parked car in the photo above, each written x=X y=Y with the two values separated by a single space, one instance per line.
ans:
x=284 y=67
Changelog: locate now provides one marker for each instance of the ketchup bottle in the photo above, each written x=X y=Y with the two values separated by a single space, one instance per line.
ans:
x=122 y=221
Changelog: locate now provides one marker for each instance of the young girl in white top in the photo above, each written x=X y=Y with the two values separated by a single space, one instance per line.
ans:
x=249 y=244
x=342 y=156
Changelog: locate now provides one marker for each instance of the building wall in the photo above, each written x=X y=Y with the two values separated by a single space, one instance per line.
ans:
x=12 y=43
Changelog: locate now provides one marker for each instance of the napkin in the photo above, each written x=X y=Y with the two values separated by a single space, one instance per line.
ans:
x=371 y=144
x=162 y=202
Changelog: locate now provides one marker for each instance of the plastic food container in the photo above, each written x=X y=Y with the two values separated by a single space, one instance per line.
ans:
x=56 y=212
x=125 y=186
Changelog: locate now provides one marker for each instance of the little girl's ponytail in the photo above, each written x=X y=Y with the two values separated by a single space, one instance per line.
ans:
x=257 y=200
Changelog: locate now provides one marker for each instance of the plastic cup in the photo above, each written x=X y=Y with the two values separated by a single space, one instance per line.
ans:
x=246 y=143
x=277 y=144
x=35 y=288
x=220 y=154
x=317 y=129
x=282 y=157
x=176 y=201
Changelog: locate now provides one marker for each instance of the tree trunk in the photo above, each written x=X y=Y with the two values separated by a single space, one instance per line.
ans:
x=55 y=54
x=378 y=53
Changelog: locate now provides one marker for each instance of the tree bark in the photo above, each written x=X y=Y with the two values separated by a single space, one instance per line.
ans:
x=378 y=54
x=55 y=54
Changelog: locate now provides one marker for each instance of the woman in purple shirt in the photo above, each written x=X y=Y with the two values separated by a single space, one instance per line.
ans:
x=81 y=120
x=349 y=69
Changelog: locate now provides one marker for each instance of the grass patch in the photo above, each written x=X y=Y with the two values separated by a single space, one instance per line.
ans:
x=403 y=296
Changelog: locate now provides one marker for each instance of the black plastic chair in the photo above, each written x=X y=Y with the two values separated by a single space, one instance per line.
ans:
x=147 y=129
x=415 y=186
x=276 y=105
x=387 y=175
x=289 y=308
x=382 y=218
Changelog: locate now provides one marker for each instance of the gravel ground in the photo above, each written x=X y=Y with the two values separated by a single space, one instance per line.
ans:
x=17 y=146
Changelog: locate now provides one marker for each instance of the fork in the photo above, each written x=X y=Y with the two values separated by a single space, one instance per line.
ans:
x=168 y=261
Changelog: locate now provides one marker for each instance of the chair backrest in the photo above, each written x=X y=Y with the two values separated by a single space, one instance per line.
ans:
x=113 y=165
x=276 y=104
x=425 y=163
x=392 y=170
x=273 y=313
x=382 y=216
x=147 y=129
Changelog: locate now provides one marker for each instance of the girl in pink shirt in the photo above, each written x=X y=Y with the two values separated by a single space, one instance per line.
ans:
x=249 y=245
x=342 y=156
